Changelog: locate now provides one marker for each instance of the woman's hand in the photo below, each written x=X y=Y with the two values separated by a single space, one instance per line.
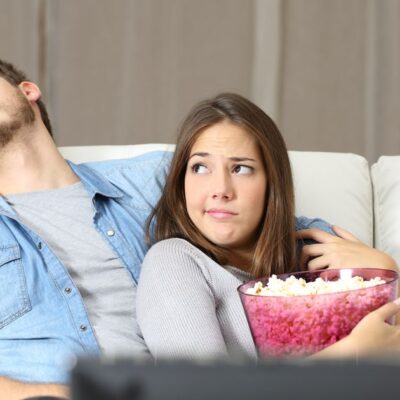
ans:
x=342 y=251
x=371 y=337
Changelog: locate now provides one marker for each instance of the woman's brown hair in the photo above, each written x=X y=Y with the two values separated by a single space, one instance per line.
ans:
x=274 y=250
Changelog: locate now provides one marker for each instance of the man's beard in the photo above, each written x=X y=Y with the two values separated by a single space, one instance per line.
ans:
x=21 y=115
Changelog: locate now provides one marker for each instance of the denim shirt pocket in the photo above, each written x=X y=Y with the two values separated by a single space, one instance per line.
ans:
x=14 y=299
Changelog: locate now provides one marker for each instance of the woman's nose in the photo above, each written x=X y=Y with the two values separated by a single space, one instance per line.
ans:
x=222 y=187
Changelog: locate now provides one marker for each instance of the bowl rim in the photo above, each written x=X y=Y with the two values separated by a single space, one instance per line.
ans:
x=288 y=274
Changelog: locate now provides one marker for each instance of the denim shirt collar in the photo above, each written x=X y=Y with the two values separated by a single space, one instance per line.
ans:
x=6 y=209
x=94 y=182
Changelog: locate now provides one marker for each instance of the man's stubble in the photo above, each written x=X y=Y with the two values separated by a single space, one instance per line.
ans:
x=21 y=114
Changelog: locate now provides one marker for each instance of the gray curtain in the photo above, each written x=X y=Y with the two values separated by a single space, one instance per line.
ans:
x=127 y=71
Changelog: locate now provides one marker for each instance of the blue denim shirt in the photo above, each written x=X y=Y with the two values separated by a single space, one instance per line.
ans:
x=43 y=322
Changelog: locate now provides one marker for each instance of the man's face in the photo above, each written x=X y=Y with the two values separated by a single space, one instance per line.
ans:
x=15 y=112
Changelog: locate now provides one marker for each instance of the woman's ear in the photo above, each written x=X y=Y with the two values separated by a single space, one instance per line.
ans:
x=30 y=90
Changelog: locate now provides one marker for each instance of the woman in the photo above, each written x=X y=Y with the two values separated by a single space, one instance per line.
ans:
x=227 y=216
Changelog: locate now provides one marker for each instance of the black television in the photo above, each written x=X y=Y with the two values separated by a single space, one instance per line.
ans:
x=275 y=380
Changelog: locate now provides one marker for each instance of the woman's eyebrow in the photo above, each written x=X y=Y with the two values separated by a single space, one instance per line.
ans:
x=201 y=154
x=236 y=159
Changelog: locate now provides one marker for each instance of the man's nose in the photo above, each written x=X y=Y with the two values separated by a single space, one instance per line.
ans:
x=222 y=187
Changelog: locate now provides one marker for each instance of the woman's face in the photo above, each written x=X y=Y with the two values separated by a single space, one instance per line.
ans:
x=225 y=186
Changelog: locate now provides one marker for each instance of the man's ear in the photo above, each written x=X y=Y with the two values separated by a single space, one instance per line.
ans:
x=30 y=90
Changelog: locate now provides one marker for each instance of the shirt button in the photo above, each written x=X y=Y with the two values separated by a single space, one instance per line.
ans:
x=83 y=328
x=39 y=245
x=67 y=290
x=110 y=232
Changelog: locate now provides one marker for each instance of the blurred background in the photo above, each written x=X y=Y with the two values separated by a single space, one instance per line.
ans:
x=128 y=71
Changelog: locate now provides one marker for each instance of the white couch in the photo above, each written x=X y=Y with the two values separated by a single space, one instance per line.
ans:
x=340 y=188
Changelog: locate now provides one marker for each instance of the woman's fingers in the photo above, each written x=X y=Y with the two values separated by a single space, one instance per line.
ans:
x=341 y=251
x=314 y=250
x=315 y=234
x=324 y=237
x=388 y=310
x=310 y=251
x=344 y=234
x=318 y=263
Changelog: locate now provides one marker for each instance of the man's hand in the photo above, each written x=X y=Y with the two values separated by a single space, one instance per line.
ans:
x=342 y=251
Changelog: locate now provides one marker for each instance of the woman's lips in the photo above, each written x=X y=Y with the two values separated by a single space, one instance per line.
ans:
x=220 y=213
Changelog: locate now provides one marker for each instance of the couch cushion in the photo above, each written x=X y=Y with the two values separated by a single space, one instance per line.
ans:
x=335 y=187
x=79 y=154
x=386 y=183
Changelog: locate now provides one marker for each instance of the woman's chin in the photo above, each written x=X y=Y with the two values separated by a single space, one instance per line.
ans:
x=226 y=242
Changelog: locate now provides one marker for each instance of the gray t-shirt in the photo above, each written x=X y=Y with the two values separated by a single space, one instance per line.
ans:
x=63 y=218
x=188 y=306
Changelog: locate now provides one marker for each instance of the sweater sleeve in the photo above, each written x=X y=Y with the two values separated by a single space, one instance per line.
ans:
x=176 y=307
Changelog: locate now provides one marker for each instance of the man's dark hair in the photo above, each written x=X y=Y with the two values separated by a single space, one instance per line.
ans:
x=11 y=74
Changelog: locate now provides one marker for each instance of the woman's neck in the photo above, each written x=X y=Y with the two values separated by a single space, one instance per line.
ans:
x=241 y=259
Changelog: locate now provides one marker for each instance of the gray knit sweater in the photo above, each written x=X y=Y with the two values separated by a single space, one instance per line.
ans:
x=188 y=305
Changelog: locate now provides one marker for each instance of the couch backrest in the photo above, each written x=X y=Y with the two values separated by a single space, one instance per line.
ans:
x=333 y=186
x=336 y=187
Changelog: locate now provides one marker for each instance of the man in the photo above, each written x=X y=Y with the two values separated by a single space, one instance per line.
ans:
x=71 y=244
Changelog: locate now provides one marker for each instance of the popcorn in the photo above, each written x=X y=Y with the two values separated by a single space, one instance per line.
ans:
x=299 y=287
x=294 y=317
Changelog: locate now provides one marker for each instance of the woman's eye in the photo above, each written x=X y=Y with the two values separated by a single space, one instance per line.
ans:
x=199 y=169
x=242 y=169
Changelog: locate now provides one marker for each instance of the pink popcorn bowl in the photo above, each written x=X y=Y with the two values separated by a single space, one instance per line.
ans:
x=298 y=326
